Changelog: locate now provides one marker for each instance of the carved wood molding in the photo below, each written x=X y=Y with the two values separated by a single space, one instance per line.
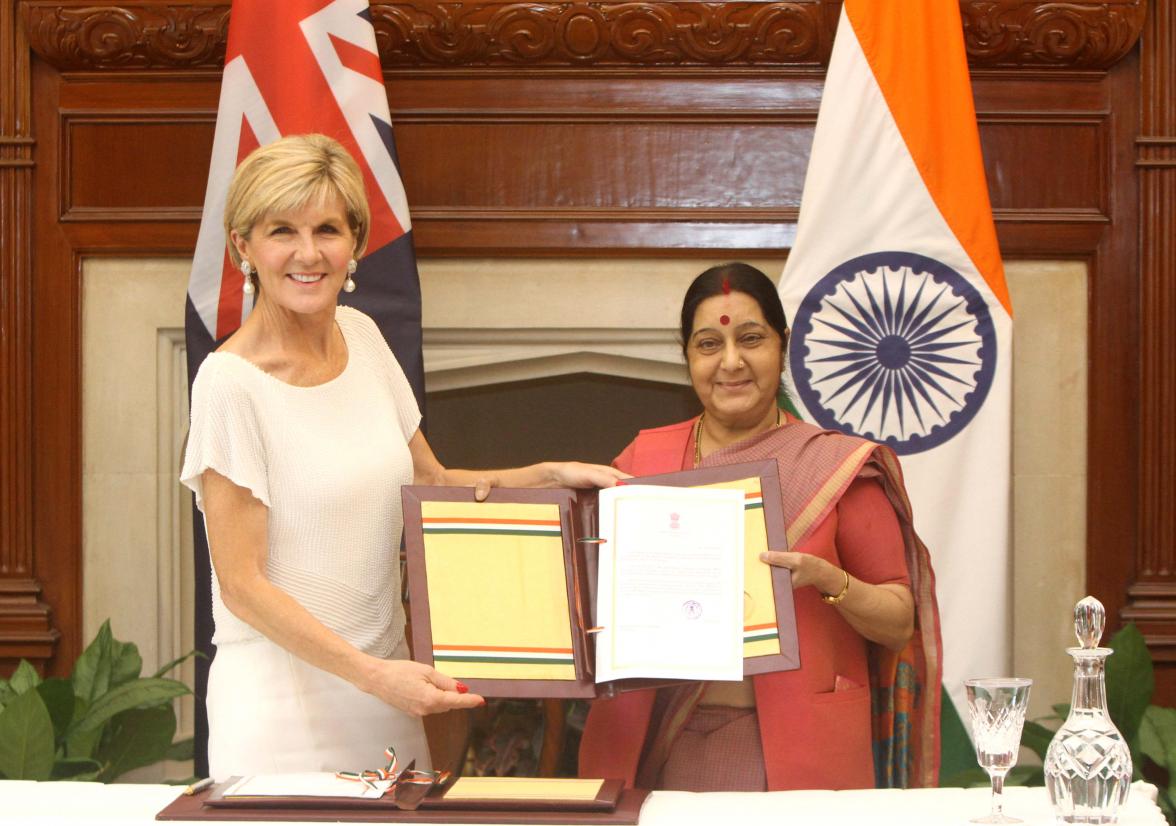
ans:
x=134 y=36
x=604 y=34
x=26 y=630
x=26 y=624
x=1151 y=598
x=1082 y=35
x=436 y=33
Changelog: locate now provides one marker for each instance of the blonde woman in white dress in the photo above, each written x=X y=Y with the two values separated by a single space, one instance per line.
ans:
x=303 y=430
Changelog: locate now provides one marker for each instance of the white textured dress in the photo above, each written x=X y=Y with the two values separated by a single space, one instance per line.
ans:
x=328 y=462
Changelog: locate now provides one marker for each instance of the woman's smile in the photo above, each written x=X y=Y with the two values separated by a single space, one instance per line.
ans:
x=734 y=359
x=308 y=277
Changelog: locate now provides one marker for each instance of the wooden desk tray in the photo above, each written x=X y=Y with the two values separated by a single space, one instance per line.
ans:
x=334 y=810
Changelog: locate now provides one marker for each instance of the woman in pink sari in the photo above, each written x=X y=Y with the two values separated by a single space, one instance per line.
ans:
x=863 y=708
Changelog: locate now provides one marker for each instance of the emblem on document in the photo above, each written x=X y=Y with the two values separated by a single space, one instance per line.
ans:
x=692 y=609
x=894 y=347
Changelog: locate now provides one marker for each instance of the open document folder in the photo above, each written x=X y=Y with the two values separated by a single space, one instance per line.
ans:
x=530 y=594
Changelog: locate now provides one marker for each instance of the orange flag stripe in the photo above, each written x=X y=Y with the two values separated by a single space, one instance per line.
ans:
x=930 y=97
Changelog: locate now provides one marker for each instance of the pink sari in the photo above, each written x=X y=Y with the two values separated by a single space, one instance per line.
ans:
x=816 y=468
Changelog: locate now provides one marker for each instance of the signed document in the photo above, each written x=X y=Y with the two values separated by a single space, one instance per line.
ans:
x=303 y=784
x=670 y=588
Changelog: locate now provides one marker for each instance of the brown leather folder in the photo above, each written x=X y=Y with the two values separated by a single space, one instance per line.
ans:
x=335 y=810
x=577 y=521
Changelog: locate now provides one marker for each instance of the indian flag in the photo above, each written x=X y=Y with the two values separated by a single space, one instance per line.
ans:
x=901 y=320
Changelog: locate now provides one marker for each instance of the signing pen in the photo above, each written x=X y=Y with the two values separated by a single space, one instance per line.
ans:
x=198 y=786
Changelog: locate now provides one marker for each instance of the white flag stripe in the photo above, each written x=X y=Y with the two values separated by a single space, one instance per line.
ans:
x=359 y=97
x=240 y=100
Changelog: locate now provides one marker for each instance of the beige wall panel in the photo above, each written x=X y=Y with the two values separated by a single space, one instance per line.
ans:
x=1049 y=470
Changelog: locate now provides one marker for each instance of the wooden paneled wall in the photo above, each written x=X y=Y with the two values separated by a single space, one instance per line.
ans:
x=570 y=129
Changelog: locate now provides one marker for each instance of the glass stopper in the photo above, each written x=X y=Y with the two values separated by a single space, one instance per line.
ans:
x=1089 y=619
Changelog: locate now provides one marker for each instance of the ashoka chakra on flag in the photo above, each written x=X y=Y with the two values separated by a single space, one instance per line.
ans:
x=895 y=347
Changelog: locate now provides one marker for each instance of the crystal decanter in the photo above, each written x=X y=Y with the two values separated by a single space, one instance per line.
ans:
x=1088 y=765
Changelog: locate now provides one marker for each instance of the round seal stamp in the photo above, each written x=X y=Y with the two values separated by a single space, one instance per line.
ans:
x=895 y=347
x=692 y=609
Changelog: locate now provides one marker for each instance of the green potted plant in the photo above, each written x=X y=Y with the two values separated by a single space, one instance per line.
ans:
x=103 y=721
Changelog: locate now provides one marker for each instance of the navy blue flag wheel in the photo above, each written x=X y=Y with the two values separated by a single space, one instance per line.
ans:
x=895 y=347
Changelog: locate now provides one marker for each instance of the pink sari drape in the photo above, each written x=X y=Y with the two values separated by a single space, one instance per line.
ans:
x=816 y=468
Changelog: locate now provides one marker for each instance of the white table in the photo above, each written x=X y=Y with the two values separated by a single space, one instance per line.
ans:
x=28 y=803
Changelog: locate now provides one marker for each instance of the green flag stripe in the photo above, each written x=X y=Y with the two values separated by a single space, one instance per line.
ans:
x=771 y=635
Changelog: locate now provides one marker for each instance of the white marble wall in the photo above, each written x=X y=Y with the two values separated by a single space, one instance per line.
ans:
x=539 y=318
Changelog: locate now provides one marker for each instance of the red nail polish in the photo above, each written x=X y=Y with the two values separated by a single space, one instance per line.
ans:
x=462 y=688
x=483 y=702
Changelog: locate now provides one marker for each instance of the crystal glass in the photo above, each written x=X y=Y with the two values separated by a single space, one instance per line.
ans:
x=997 y=708
x=1088 y=765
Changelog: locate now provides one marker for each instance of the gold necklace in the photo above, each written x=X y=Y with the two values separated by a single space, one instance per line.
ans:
x=698 y=436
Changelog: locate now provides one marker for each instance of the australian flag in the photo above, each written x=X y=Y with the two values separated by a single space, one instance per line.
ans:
x=292 y=67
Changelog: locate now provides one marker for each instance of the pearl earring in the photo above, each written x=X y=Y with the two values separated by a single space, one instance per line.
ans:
x=349 y=284
x=247 y=287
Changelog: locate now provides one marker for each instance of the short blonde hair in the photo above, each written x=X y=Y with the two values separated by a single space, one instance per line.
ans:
x=289 y=174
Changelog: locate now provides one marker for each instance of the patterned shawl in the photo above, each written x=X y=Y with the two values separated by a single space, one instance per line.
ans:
x=905 y=685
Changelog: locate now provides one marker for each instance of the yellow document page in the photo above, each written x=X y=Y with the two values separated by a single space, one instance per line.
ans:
x=498 y=599
x=523 y=788
x=760 y=634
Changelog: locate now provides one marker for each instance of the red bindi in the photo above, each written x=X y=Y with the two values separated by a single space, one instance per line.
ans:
x=724 y=320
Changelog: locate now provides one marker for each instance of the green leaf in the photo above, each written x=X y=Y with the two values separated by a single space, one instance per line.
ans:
x=81 y=768
x=6 y=694
x=1036 y=738
x=1130 y=681
x=91 y=671
x=148 y=691
x=24 y=678
x=138 y=737
x=956 y=753
x=59 y=701
x=1061 y=710
x=1157 y=735
x=81 y=744
x=182 y=750
x=26 y=739
x=1157 y=740
x=195 y=652
x=125 y=662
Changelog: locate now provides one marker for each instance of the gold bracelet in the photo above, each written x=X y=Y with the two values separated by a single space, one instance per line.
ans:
x=830 y=599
